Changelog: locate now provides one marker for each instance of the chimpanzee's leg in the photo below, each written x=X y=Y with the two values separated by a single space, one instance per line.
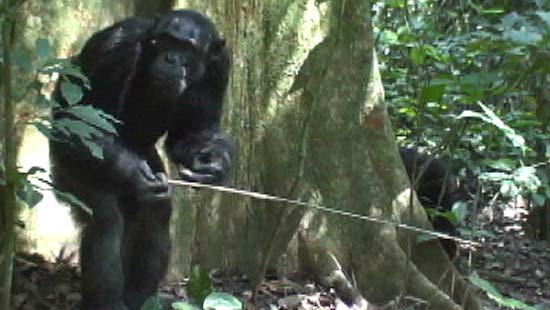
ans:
x=100 y=254
x=147 y=244
x=147 y=251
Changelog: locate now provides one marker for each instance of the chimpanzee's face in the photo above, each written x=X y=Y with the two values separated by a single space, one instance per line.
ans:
x=176 y=64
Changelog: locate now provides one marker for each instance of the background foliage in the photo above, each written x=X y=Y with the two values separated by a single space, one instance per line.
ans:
x=468 y=79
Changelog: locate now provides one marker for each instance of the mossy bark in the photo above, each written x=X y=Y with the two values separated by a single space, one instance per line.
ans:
x=306 y=105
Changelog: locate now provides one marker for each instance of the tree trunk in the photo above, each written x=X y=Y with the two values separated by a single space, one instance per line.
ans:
x=65 y=25
x=150 y=8
x=7 y=214
x=322 y=136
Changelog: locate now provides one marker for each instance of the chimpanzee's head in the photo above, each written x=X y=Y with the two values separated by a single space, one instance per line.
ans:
x=179 y=49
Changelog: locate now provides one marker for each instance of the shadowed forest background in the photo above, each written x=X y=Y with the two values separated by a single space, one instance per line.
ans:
x=322 y=97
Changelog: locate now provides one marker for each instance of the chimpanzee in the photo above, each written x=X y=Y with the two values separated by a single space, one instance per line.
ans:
x=435 y=189
x=167 y=75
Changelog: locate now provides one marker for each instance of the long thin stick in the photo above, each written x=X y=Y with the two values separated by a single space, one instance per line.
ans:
x=262 y=196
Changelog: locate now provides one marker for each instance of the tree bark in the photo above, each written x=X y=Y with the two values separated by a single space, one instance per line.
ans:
x=321 y=136
x=7 y=215
x=151 y=8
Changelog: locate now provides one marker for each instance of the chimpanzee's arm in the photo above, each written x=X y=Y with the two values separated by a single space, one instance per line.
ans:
x=204 y=156
x=121 y=169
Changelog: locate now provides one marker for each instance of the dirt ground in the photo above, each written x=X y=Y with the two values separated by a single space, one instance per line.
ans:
x=517 y=266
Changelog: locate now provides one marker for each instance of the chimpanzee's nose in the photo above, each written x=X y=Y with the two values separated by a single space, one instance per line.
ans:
x=171 y=59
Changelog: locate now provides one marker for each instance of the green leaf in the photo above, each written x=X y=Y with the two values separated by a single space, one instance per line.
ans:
x=181 y=305
x=390 y=37
x=27 y=192
x=431 y=51
x=42 y=47
x=460 y=211
x=221 y=301
x=517 y=140
x=512 y=19
x=527 y=177
x=448 y=215
x=77 y=127
x=432 y=93
x=509 y=189
x=45 y=130
x=484 y=285
x=488 y=116
x=72 y=93
x=523 y=37
x=474 y=114
x=544 y=16
x=87 y=134
x=93 y=117
x=152 y=303
x=65 y=67
x=443 y=79
x=417 y=56
x=493 y=11
x=480 y=78
x=464 y=231
x=23 y=61
x=538 y=199
x=495 y=295
x=505 y=164
x=200 y=285
x=495 y=176
x=394 y=3
x=95 y=149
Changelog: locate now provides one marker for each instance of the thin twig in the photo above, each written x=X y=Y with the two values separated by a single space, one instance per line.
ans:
x=262 y=196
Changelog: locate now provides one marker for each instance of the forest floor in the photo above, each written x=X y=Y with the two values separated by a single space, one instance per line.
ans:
x=518 y=267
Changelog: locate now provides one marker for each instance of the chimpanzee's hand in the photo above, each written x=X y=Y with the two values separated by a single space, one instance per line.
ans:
x=149 y=186
x=209 y=163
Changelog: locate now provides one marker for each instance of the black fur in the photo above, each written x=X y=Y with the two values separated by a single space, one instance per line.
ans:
x=435 y=189
x=163 y=76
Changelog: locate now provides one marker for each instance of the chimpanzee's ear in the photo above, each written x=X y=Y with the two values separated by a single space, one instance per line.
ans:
x=217 y=47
